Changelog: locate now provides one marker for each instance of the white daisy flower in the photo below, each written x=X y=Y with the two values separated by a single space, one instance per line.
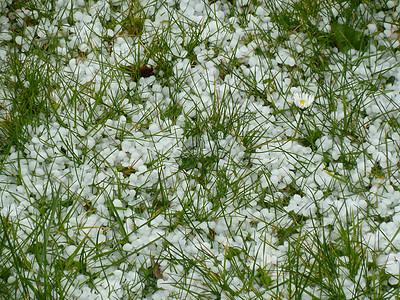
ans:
x=303 y=100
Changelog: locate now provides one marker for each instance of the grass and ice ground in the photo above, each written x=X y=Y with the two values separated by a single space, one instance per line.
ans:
x=152 y=149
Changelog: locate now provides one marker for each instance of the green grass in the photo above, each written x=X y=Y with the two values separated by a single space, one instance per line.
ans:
x=180 y=168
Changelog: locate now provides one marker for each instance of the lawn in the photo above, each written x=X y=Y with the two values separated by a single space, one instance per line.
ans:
x=199 y=149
